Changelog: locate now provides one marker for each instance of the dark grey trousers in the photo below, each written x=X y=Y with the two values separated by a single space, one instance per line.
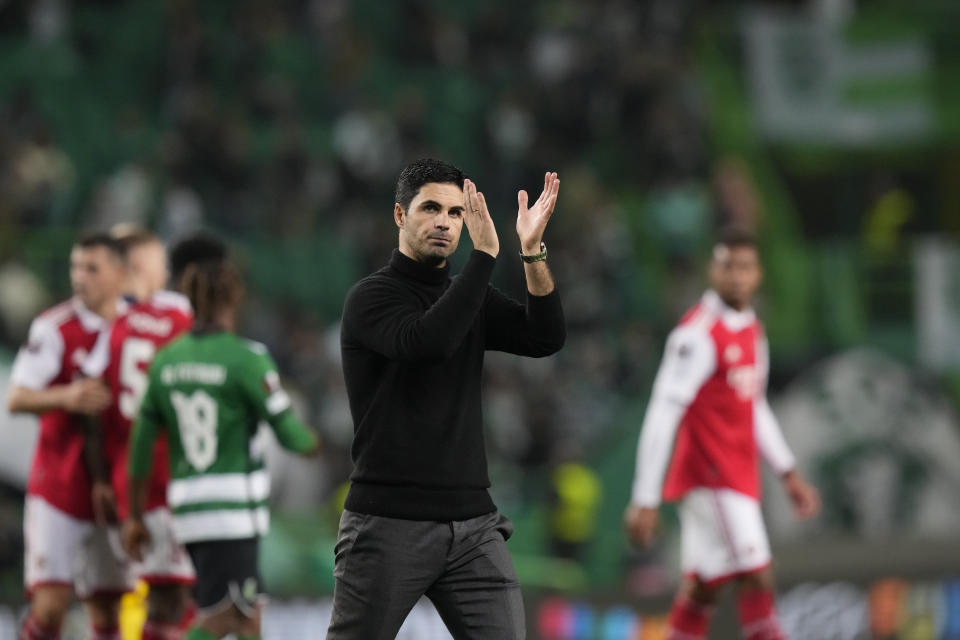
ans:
x=383 y=566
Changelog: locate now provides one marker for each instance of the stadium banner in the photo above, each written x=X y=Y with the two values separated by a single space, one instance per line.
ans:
x=811 y=84
x=880 y=442
x=937 y=303
x=885 y=609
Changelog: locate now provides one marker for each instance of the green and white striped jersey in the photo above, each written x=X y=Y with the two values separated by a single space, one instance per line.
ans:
x=210 y=392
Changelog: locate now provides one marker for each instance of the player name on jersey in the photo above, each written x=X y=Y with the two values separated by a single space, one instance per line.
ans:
x=193 y=372
x=146 y=323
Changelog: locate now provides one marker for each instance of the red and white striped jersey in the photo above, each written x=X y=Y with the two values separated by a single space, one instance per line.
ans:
x=121 y=357
x=709 y=396
x=59 y=343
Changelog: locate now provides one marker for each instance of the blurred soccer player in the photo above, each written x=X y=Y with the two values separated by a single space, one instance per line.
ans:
x=122 y=357
x=712 y=386
x=419 y=519
x=66 y=551
x=208 y=390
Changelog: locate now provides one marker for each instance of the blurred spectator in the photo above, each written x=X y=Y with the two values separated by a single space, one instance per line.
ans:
x=124 y=197
x=368 y=143
x=577 y=494
x=41 y=175
x=48 y=19
x=22 y=296
x=737 y=200
x=181 y=212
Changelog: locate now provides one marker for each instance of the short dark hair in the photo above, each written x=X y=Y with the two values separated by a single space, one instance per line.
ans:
x=421 y=172
x=196 y=248
x=101 y=239
x=736 y=237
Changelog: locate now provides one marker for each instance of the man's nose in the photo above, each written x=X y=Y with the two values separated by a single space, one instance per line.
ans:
x=442 y=220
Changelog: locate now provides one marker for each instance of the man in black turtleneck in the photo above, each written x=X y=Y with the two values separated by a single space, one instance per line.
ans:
x=419 y=520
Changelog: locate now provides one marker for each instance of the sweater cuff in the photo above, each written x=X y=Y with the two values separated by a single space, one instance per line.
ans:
x=482 y=258
x=479 y=269
x=551 y=298
x=548 y=306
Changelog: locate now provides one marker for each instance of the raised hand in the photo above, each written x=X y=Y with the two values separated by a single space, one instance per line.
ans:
x=533 y=220
x=477 y=219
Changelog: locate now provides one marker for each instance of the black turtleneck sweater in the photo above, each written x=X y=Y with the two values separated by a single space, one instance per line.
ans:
x=413 y=341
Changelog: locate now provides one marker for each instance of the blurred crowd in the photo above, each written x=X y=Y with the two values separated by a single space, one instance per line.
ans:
x=283 y=126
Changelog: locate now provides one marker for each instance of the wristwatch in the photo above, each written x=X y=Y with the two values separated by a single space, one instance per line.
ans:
x=537 y=257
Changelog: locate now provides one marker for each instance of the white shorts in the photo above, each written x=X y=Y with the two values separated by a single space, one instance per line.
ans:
x=61 y=549
x=722 y=534
x=165 y=560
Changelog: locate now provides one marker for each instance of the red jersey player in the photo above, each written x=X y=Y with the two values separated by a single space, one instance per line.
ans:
x=65 y=550
x=121 y=357
x=710 y=395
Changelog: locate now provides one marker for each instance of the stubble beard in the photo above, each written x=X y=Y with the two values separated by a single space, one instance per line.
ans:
x=432 y=258
x=425 y=253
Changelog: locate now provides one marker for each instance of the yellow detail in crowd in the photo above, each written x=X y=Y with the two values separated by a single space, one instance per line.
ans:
x=133 y=611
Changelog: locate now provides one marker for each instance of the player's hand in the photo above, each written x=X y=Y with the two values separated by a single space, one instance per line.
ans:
x=135 y=536
x=802 y=494
x=641 y=524
x=315 y=450
x=86 y=395
x=477 y=219
x=104 y=503
x=532 y=222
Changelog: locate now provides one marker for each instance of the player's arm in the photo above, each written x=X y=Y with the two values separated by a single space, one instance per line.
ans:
x=776 y=453
x=38 y=363
x=80 y=396
x=531 y=223
x=383 y=317
x=139 y=465
x=102 y=494
x=536 y=329
x=773 y=446
x=93 y=452
x=103 y=497
x=688 y=361
x=262 y=386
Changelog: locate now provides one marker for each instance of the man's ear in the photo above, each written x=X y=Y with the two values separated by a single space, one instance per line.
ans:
x=398 y=214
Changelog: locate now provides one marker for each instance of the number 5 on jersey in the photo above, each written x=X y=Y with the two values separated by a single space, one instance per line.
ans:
x=137 y=353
